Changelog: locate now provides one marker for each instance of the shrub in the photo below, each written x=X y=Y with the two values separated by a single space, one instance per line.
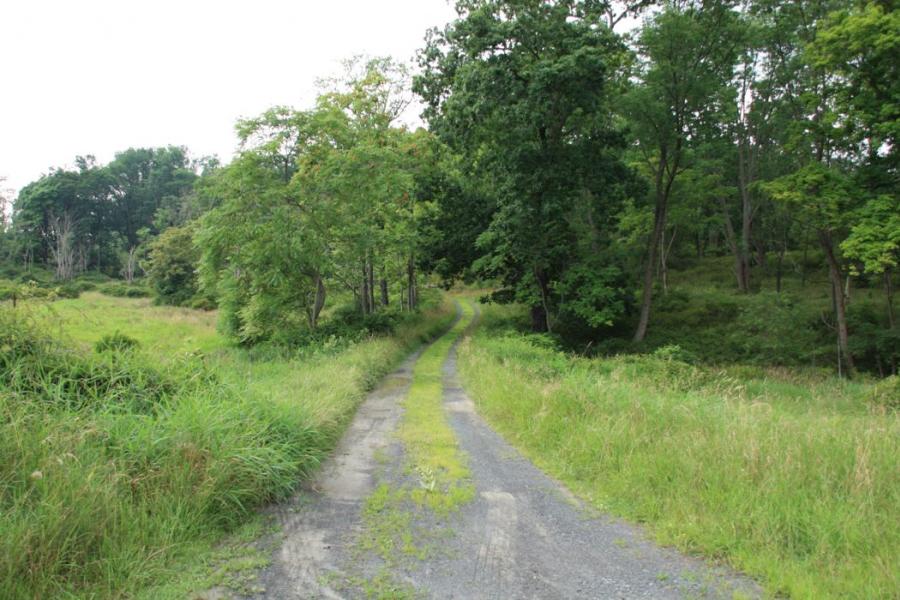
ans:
x=35 y=365
x=886 y=393
x=115 y=342
x=172 y=265
x=674 y=352
x=123 y=290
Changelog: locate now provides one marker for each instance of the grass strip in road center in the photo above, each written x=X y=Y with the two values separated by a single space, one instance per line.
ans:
x=439 y=482
x=432 y=448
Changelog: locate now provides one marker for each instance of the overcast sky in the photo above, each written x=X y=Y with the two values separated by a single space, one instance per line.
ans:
x=96 y=76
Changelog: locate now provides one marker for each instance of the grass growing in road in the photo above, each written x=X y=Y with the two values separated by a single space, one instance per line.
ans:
x=789 y=476
x=434 y=461
x=121 y=471
x=432 y=448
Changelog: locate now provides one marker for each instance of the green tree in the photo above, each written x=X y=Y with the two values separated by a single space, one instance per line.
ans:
x=316 y=198
x=171 y=266
x=522 y=91
x=688 y=53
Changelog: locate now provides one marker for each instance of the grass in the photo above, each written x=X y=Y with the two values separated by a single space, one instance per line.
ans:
x=163 y=331
x=788 y=475
x=440 y=475
x=121 y=472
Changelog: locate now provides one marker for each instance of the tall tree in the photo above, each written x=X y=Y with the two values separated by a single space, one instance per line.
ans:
x=688 y=53
x=522 y=90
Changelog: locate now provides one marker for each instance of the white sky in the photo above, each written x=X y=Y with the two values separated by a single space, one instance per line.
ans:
x=97 y=76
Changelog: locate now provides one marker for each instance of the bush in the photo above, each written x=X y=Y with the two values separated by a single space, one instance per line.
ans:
x=115 y=342
x=34 y=365
x=886 y=393
x=123 y=290
x=674 y=352
x=172 y=265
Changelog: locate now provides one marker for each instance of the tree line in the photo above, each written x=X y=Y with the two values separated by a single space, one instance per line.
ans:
x=599 y=154
x=566 y=159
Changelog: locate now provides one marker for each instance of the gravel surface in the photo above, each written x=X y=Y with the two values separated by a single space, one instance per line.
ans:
x=523 y=536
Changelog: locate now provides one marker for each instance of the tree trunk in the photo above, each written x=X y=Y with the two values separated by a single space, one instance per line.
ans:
x=411 y=283
x=665 y=248
x=130 y=265
x=889 y=293
x=778 y=270
x=743 y=255
x=318 y=302
x=659 y=223
x=840 y=305
x=760 y=254
x=385 y=300
x=545 y=298
x=740 y=262
x=371 y=284
x=538 y=318
x=364 y=290
x=63 y=249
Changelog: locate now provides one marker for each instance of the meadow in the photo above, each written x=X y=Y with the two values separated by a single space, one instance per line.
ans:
x=121 y=467
x=790 y=475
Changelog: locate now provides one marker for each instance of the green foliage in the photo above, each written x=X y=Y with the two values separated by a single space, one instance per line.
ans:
x=318 y=199
x=124 y=290
x=109 y=205
x=886 y=393
x=521 y=91
x=172 y=265
x=116 y=342
x=874 y=239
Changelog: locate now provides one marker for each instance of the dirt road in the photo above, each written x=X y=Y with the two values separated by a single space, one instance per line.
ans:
x=522 y=535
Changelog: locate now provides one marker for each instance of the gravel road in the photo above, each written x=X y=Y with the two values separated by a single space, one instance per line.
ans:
x=523 y=536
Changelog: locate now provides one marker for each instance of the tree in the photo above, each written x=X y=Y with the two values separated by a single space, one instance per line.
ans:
x=874 y=242
x=823 y=196
x=171 y=266
x=316 y=198
x=522 y=90
x=61 y=231
x=684 y=76
x=143 y=181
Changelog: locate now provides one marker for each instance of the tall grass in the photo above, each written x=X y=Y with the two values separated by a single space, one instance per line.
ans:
x=113 y=466
x=792 y=478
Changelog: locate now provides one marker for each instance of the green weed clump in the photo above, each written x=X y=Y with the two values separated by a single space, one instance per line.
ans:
x=789 y=475
x=124 y=290
x=119 y=468
x=116 y=342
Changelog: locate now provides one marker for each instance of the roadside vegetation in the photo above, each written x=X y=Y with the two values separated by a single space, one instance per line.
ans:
x=134 y=433
x=786 y=474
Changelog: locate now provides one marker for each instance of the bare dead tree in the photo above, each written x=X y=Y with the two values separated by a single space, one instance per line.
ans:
x=62 y=231
x=131 y=263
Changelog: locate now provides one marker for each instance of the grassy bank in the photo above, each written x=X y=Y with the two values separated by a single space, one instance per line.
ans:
x=791 y=476
x=118 y=467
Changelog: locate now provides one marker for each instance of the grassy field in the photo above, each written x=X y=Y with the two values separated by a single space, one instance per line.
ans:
x=121 y=470
x=789 y=475
x=163 y=331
